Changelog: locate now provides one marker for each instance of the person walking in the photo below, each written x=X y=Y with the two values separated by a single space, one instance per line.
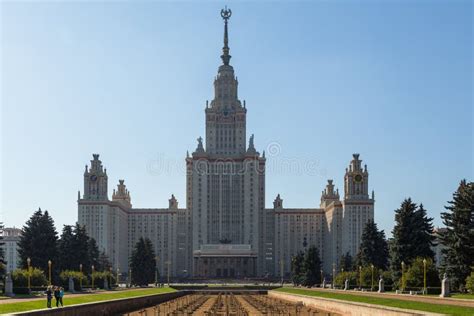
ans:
x=49 y=296
x=61 y=295
x=56 y=295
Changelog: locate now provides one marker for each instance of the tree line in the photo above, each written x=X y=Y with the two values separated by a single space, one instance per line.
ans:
x=403 y=259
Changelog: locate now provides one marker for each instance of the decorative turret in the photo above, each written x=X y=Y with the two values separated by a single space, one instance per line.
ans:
x=95 y=180
x=356 y=180
x=122 y=195
x=329 y=195
x=278 y=203
x=173 y=203
x=199 y=152
x=251 y=151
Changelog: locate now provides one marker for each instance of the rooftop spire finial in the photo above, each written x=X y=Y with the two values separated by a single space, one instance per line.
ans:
x=226 y=14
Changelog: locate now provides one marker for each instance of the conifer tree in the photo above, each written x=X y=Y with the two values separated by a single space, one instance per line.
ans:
x=312 y=267
x=373 y=248
x=38 y=241
x=93 y=255
x=297 y=274
x=346 y=263
x=458 y=238
x=412 y=236
x=143 y=263
x=67 y=259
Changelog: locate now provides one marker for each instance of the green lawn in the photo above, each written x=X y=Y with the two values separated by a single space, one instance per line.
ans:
x=427 y=307
x=464 y=296
x=73 y=300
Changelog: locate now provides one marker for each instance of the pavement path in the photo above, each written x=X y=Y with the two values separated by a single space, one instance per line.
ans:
x=43 y=297
x=406 y=297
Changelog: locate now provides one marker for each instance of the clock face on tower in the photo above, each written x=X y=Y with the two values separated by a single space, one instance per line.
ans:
x=93 y=178
x=358 y=177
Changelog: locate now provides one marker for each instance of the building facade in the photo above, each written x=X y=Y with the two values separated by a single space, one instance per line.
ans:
x=225 y=229
x=11 y=237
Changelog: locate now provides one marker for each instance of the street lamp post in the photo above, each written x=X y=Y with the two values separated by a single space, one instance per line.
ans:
x=80 y=280
x=403 y=276
x=110 y=277
x=92 y=276
x=360 y=277
x=49 y=271
x=424 y=277
x=28 y=261
x=130 y=278
x=117 y=279
x=282 y=273
x=321 y=271
x=333 y=275
x=168 y=263
x=156 y=270
x=372 y=268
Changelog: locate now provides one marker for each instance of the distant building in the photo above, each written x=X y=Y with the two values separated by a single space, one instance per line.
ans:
x=438 y=247
x=11 y=237
x=225 y=229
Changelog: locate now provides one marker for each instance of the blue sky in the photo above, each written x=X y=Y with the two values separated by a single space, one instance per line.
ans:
x=391 y=80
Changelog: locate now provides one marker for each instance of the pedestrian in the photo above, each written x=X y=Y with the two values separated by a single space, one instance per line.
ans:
x=49 y=296
x=56 y=295
x=61 y=294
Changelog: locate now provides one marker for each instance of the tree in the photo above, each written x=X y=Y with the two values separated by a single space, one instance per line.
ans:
x=346 y=262
x=470 y=283
x=37 y=277
x=66 y=252
x=312 y=267
x=38 y=241
x=373 y=248
x=297 y=268
x=415 y=274
x=458 y=238
x=92 y=255
x=410 y=236
x=103 y=262
x=142 y=262
x=81 y=247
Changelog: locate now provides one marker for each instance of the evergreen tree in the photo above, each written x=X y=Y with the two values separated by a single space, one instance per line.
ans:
x=458 y=239
x=142 y=262
x=93 y=256
x=67 y=259
x=312 y=267
x=297 y=268
x=346 y=263
x=103 y=263
x=411 y=236
x=424 y=238
x=38 y=241
x=81 y=247
x=373 y=247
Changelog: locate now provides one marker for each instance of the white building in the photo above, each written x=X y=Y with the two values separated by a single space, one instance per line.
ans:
x=225 y=229
x=11 y=237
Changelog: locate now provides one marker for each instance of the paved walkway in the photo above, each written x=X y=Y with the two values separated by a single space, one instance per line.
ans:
x=43 y=297
x=406 y=297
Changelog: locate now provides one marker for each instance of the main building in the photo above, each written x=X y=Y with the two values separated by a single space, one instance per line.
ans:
x=225 y=231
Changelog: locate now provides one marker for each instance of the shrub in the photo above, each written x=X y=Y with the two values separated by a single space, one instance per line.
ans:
x=342 y=276
x=414 y=275
x=470 y=283
x=20 y=277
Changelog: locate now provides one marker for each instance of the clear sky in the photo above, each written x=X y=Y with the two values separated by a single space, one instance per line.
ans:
x=391 y=80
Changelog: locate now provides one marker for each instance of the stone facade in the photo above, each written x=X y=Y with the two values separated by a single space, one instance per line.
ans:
x=225 y=229
x=11 y=237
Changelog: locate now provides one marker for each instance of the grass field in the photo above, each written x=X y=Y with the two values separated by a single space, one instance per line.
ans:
x=464 y=296
x=427 y=307
x=73 y=300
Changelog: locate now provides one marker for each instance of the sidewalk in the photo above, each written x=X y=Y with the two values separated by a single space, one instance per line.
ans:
x=404 y=297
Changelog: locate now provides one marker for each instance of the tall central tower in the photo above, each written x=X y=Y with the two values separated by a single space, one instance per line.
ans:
x=226 y=184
